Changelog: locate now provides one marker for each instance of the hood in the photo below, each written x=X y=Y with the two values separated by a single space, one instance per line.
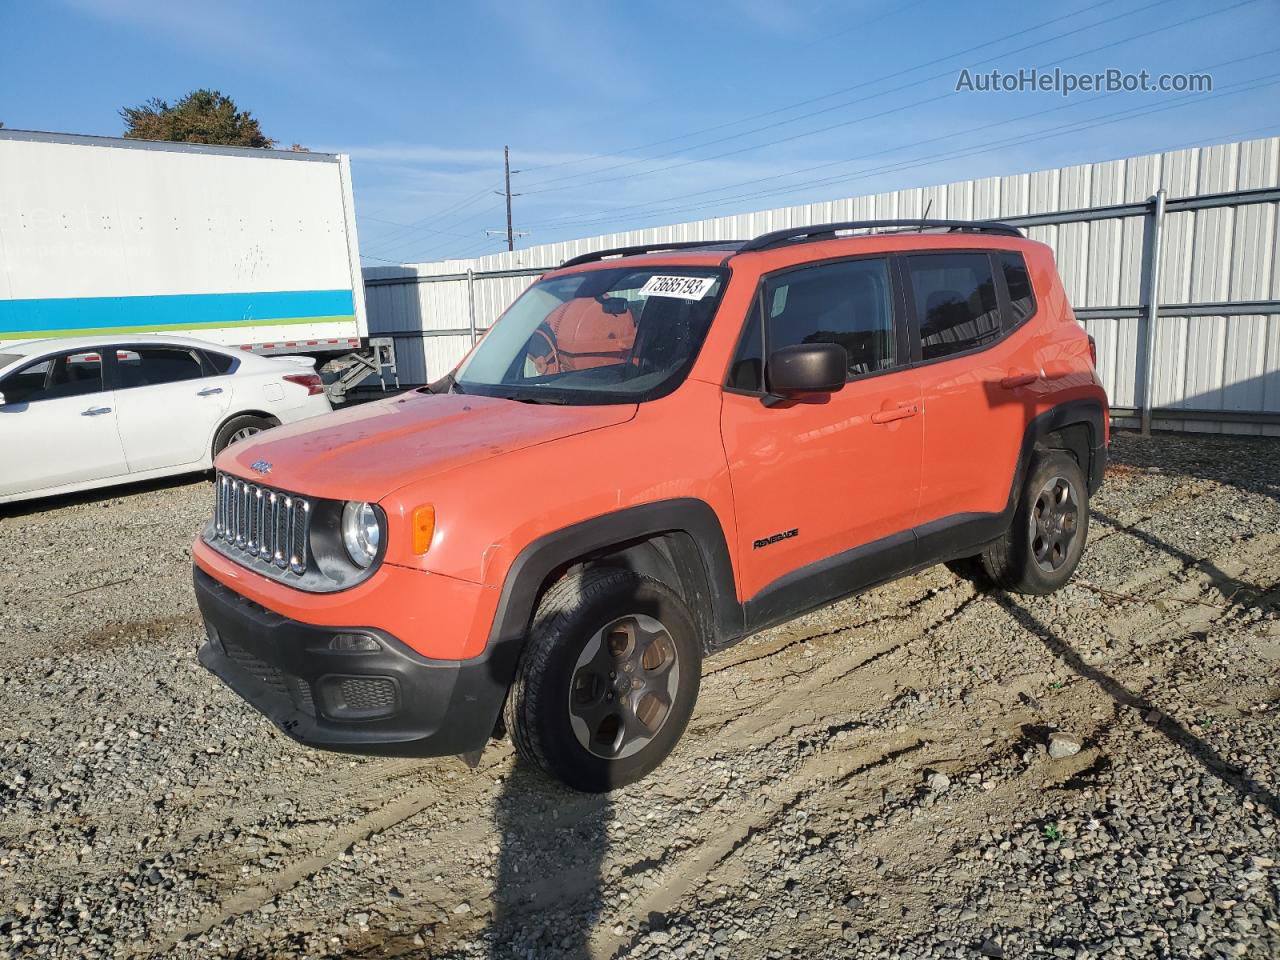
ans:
x=366 y=452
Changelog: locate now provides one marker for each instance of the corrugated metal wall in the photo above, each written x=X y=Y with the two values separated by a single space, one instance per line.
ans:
x=1228 y=253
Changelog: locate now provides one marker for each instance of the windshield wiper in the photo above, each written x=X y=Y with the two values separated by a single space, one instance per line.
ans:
x=446 y=384
x=526 y=398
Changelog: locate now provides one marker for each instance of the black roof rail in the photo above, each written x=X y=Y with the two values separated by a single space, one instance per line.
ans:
x=824 y=231
x=645 y=248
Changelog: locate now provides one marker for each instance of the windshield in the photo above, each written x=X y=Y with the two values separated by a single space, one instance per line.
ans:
x=601 y=336
x=8 y=358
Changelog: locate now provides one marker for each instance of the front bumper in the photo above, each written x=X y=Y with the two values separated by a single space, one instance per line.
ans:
x=391 y=701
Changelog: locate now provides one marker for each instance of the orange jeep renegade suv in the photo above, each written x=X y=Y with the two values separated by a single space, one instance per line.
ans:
x=654 y=452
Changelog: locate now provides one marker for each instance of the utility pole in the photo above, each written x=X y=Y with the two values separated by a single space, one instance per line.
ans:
x=506 y=165
x=511 y=232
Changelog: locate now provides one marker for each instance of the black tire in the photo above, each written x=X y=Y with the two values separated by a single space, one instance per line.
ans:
x=1040 y=551
x=228 y=432
x=558 y=707
x=971 y=569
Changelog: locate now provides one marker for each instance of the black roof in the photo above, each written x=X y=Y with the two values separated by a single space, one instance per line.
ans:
x=822 y=231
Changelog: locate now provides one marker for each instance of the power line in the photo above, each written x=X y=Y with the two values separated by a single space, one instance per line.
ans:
x=860 y=119
x=802 y=134
x=421 y=225
x=586 y=219
x=836 y=93
x=596 y=217
x=438 y=244
x=962 y=153
x=395 y=223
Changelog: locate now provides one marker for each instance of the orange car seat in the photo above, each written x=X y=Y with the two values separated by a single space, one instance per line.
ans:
x=584 y=333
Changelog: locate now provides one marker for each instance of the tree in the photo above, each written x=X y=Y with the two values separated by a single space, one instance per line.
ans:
x=202 y=116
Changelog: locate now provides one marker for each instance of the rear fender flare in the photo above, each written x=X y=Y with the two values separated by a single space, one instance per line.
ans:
x=1088 y=412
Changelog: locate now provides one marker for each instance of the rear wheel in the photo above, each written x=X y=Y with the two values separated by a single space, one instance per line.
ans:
x=237 y=429
x=1040 y=551
x=608 y=679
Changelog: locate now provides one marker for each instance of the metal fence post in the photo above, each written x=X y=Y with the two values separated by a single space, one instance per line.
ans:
x=471 y=303
x=1152 y=312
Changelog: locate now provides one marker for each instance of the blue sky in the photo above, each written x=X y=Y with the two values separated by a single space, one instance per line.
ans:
x=622 y=115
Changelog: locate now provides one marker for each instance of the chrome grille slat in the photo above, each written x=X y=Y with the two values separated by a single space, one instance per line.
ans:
x=265 y=524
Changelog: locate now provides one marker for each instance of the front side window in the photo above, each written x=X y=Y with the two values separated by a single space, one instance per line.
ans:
x=66 y=375
x=847 y=303
x=602 y=336
x=150 y=366
x=955 y=302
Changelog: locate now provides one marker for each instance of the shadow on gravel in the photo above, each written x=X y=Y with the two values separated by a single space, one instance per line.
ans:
x=1248 y=463
x=1233 y=777
x=100 y=495
x=548 y=890
x=1233 y=589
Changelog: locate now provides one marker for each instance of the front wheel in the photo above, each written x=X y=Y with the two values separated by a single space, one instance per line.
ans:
x=608 y=679
x=1040 y=551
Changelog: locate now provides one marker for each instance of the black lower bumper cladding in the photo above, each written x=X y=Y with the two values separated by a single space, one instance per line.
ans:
x=355 y=689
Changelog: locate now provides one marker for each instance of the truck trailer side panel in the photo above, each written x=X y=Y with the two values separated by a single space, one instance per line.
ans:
x=234 y=246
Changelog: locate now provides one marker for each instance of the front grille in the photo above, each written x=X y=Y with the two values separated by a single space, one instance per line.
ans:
x=269 y=525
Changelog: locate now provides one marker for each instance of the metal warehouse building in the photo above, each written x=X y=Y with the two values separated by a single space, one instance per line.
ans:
x=1170 y=259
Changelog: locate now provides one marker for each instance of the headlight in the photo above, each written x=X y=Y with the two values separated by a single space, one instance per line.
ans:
x=361 y=533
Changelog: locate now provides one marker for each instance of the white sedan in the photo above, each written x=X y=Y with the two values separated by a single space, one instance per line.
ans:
x=83 y=412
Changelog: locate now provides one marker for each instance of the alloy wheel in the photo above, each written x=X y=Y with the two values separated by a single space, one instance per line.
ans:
x=1055 y=522
x=623 y=685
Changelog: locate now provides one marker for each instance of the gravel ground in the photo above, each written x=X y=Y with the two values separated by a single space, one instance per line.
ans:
x=922 y=771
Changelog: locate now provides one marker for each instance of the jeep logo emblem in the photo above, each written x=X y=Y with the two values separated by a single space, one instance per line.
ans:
x=262 y=466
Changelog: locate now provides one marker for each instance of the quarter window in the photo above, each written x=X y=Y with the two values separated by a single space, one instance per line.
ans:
x=848 y=303
x=66 y=375
x=220 y=362
x=955 y=302
x=1022 y=300
x=150 y=366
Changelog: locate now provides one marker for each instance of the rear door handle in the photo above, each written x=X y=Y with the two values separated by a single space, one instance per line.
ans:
x=895 y=413
x=95 y=411
x=1015 y=380
x=209 y=391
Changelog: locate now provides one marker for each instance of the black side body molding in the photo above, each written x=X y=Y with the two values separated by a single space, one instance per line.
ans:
x=948 y=538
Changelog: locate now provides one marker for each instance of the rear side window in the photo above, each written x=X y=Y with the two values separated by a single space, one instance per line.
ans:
x=1022 y=299
x=150 y=366
x=220 y=362
x=847 y=303
x=66 y=375
x=955 y=302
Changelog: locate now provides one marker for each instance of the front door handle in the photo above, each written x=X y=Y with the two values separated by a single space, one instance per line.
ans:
x=1015 y=380
x=95 y=411
x=895 y=413
x=209 y=391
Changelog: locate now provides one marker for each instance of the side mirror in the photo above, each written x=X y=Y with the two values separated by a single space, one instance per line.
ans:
x=807 y=368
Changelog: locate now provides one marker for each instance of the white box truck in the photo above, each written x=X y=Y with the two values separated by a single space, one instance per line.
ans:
x=244 y=247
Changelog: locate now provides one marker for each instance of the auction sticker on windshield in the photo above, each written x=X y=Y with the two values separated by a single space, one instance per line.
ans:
x=686 y=288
